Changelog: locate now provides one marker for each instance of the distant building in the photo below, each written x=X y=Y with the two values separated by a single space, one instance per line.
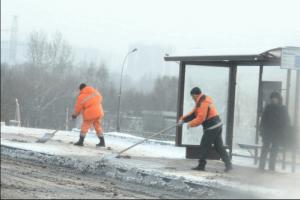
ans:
x=149 y=58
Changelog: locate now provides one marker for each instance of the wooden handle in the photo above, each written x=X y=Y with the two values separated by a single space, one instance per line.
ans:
x=149 y=138
x=63 y=126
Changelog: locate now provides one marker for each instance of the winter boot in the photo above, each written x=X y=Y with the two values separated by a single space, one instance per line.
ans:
x=199 y=167
x=102 y=142
x=80 y=142
x=228 y=167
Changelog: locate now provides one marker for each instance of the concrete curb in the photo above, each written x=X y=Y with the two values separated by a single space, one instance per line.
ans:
x=169 y=182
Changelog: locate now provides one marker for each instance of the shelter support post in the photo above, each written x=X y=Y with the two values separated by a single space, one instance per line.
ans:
x=231 y=104
x=259 y=106
x=287 y=103
x=296 y=128
x=180 y=102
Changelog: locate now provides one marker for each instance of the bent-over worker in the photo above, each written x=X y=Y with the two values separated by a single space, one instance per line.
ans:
x=205 y=113
x=89 y=100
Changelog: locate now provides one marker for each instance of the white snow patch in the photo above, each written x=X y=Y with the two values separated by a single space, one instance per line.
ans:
x=117 y=141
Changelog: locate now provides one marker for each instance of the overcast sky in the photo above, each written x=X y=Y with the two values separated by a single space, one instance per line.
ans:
x=113 y=25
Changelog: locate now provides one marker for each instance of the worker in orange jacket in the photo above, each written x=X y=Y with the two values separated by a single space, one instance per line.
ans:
x=89 y=100
x=206 y=114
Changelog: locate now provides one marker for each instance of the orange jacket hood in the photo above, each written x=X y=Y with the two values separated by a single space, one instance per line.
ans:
x=86 y=90
x=208 y=99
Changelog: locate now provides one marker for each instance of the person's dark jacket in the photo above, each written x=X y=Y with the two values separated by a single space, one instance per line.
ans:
x=275 y=118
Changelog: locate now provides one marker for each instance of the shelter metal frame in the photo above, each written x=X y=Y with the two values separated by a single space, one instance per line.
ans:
x=270 y=57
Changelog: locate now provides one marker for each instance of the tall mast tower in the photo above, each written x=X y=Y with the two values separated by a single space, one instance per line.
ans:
x=13 y=41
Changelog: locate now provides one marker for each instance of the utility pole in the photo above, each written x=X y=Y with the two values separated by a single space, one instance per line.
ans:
x=13 y=41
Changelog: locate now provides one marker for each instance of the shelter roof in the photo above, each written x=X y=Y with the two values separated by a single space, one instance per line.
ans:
x=242 y=56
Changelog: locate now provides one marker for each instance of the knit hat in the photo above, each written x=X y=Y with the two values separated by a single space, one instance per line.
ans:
x=196 y=91
x=82 y=85
x=276 y=95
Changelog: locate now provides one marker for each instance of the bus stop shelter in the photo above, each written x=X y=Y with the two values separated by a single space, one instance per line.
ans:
x=239 y=82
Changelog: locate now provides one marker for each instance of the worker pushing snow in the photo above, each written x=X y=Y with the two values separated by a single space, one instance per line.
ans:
x=89 y=100
x=205 y=113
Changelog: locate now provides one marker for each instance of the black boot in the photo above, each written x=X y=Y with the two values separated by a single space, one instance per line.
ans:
x=102 y=142
x=228 y=167
x=80 y=142
x=199 y=167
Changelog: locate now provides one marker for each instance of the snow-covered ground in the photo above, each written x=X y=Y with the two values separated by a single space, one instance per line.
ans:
x=117 y=141
x=156 y=156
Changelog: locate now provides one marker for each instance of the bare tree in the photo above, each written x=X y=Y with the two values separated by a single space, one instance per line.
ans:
x=48 y=65
x=164 y=95
x=12 y=88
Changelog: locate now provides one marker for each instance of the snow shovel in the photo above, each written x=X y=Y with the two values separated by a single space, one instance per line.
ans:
x=48 y=136
x=116 y=154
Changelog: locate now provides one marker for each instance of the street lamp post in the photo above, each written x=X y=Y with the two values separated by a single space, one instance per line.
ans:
x=120 y=92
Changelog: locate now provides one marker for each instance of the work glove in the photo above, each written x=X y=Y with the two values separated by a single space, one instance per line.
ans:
x=188 y=126
x=73 y=117
x=180 y=122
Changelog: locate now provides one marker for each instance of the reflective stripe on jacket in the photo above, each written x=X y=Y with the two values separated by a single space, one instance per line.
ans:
x=89 y=100
x=203 y=113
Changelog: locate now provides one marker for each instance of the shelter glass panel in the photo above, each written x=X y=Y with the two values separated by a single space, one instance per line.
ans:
x=245 y=111
x=213 y=82
x=275 y=74
x=274 y=79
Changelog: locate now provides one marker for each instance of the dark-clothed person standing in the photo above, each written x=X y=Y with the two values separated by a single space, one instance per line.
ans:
x=274 y=124
x=206 y=114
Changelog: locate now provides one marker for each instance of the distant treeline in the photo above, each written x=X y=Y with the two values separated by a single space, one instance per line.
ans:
x=48 y=83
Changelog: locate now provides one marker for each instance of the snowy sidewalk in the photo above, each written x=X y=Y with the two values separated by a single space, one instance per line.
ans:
x=117 y=141
x=154 y=156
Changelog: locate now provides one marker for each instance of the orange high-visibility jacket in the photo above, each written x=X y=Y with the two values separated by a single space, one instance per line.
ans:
x=89 y=100
x=203 y=113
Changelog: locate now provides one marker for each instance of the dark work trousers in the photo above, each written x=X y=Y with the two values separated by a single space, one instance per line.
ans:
x=267 y=141
x=210 y=137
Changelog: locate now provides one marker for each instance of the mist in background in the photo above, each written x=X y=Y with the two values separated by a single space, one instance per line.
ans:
x=93 y=37
x=107 y=30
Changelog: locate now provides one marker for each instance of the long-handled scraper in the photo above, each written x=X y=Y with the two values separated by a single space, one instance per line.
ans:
x=48 y=136
x=115 y=154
